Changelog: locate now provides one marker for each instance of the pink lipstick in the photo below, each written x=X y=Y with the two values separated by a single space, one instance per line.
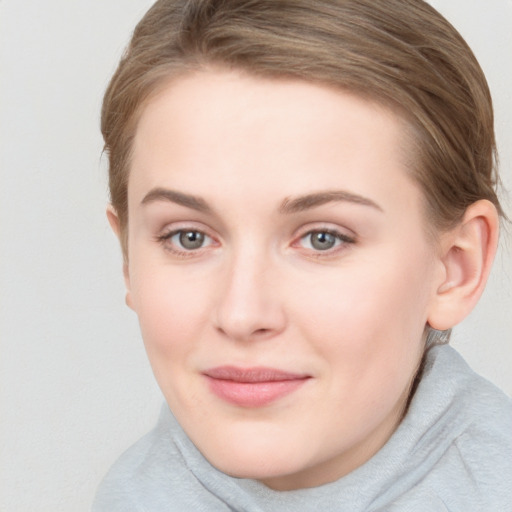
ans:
x=252 y=387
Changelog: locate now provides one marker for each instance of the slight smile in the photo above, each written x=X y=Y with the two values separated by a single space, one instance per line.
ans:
x=252 y=387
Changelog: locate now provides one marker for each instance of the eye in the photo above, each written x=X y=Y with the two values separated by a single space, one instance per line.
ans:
x=190 y=240
x=324 y=240
x=185 y=240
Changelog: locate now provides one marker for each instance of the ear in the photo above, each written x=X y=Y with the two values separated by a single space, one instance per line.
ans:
x=113 y=220
x=467 y=253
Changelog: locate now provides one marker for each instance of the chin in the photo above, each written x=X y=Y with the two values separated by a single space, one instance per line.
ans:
x=285 y=473
x=262 y=467
x=258 y=457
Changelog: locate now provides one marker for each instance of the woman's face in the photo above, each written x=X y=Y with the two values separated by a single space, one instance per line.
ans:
x=280 y=270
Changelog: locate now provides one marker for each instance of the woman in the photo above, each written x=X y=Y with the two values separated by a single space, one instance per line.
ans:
x=304 y=193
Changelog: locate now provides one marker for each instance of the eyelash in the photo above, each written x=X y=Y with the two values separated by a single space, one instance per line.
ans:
x=341 y=241
x=165 y=240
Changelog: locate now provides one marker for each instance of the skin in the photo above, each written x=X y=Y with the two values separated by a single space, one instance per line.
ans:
x=257 y=292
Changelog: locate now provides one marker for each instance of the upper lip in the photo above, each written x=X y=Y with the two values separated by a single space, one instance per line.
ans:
x=255 y=374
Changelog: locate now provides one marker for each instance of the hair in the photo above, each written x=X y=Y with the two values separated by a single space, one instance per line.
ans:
x=400 y=53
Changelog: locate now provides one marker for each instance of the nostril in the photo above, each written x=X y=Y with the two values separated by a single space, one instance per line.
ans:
x=261 y=331
x=244 y=311
x=248 y=335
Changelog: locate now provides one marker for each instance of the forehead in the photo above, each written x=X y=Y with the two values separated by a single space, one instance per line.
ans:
x=220 y=132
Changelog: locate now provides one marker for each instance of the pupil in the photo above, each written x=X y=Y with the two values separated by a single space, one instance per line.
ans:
x=191 y=239
x=322 y=241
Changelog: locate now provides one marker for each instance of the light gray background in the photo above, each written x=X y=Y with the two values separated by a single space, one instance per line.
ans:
x=75 y=386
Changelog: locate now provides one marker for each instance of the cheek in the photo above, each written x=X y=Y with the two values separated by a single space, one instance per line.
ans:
x=368 y=318
x=357 y=301
x=172 y=308
x=172 y=316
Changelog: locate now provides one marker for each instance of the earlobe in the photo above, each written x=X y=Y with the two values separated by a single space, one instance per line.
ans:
x=466 y=257
x=113 y=220
x=126 y=275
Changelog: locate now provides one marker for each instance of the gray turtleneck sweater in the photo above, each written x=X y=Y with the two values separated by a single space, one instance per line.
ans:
x=452 y=452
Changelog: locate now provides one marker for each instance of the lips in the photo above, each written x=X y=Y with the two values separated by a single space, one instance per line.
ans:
x=252 y=387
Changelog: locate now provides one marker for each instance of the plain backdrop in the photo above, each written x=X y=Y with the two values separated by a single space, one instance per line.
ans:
x=75 y=388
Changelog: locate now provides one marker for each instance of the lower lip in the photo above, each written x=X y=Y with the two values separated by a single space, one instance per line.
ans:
x=253 y=394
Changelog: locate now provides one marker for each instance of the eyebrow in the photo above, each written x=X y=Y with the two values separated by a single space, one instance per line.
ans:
x=306 y=202
x=186 y=200
x=288 y=206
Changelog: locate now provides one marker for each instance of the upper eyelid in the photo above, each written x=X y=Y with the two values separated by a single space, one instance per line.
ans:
x=345 y=238
x=169 y=231
x=186 y=226
x=341 y=237
x=164 y=239
x=317 y=227
x=332 y=231
x=175 y=227
x=172 y=232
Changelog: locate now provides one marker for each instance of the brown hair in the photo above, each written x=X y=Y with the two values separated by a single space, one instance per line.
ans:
x=401 y=53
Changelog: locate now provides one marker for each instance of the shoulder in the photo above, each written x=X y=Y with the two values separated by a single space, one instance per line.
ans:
x=154 y=475
x=484 y=447
x=128 y=483
x=473 y=431
x=482 y=408
x=150 y=475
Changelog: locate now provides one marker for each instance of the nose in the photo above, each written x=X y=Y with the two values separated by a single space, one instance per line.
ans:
x=248 y=306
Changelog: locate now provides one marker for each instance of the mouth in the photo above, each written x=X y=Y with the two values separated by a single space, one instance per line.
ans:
x=252 y=387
